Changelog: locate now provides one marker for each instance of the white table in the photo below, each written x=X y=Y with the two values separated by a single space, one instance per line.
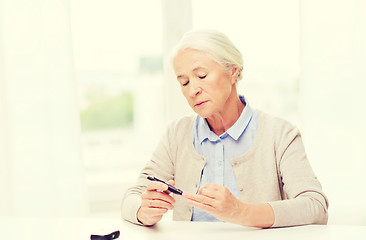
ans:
x=81 y=229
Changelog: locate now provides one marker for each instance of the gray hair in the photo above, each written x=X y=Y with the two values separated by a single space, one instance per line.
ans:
x=216 y=44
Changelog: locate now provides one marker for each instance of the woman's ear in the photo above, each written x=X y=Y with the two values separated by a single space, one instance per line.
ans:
x=234 y=74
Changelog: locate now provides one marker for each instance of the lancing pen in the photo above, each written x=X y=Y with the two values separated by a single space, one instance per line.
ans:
x=170 y=187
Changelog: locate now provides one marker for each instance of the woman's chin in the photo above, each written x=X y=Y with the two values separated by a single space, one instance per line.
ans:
x=202 y=113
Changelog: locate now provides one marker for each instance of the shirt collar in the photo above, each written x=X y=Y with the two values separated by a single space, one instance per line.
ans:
x=204 y=132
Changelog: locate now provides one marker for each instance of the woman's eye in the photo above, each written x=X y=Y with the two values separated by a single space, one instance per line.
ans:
x=202 y=77
x=185 y=84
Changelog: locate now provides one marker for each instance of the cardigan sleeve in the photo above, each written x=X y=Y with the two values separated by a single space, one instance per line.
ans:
x=304 y=201
x=160 y=166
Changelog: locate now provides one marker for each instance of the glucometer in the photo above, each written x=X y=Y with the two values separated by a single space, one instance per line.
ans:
x=111 y=236
x=170 y=187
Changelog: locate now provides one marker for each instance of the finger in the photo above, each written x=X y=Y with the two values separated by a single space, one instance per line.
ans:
x=154 y=212
x=150 y=216
x=153 y=194
x=152 y=185
x=156 y=203
x=213 y=190
x=206 y=200
x=171 y=182
x=212 y=186
x=212 y=193
x=202 y=206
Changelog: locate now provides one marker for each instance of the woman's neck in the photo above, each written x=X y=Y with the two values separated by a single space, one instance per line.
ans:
x=222 y=121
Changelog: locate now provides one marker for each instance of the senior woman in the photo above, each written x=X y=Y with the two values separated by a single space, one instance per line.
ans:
x=234 y=163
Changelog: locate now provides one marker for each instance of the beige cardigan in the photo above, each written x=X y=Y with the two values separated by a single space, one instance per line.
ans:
x=275 y=170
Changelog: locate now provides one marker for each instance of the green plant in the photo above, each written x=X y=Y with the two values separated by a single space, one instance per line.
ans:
x=107 y=112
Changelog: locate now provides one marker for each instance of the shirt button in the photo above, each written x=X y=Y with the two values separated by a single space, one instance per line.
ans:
x=241 y=189
x=219 y=163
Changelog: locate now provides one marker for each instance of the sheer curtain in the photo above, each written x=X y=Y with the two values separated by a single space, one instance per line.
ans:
x=41 y=168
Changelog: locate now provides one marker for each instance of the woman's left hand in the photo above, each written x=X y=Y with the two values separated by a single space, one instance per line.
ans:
x=219 y=202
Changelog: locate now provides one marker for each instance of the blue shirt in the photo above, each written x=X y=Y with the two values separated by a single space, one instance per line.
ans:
x=219 y=150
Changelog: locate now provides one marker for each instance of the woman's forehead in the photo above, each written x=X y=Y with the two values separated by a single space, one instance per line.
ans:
x=193 y=60
x=194 y=53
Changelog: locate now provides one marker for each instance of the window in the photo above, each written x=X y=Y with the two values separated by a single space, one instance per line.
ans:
x=117 y=49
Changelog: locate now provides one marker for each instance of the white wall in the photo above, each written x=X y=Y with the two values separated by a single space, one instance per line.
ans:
x=6 y=206
x=333 y=64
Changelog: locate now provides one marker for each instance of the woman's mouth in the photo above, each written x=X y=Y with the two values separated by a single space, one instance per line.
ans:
x=199 y=104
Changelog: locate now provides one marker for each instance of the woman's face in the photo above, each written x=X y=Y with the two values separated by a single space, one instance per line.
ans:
x=205 y=84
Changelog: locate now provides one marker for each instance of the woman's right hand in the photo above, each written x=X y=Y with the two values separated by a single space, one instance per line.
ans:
x=156 y=201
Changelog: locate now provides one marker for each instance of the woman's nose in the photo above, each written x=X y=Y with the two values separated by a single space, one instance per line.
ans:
x=195 y=89
x=198 y=91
